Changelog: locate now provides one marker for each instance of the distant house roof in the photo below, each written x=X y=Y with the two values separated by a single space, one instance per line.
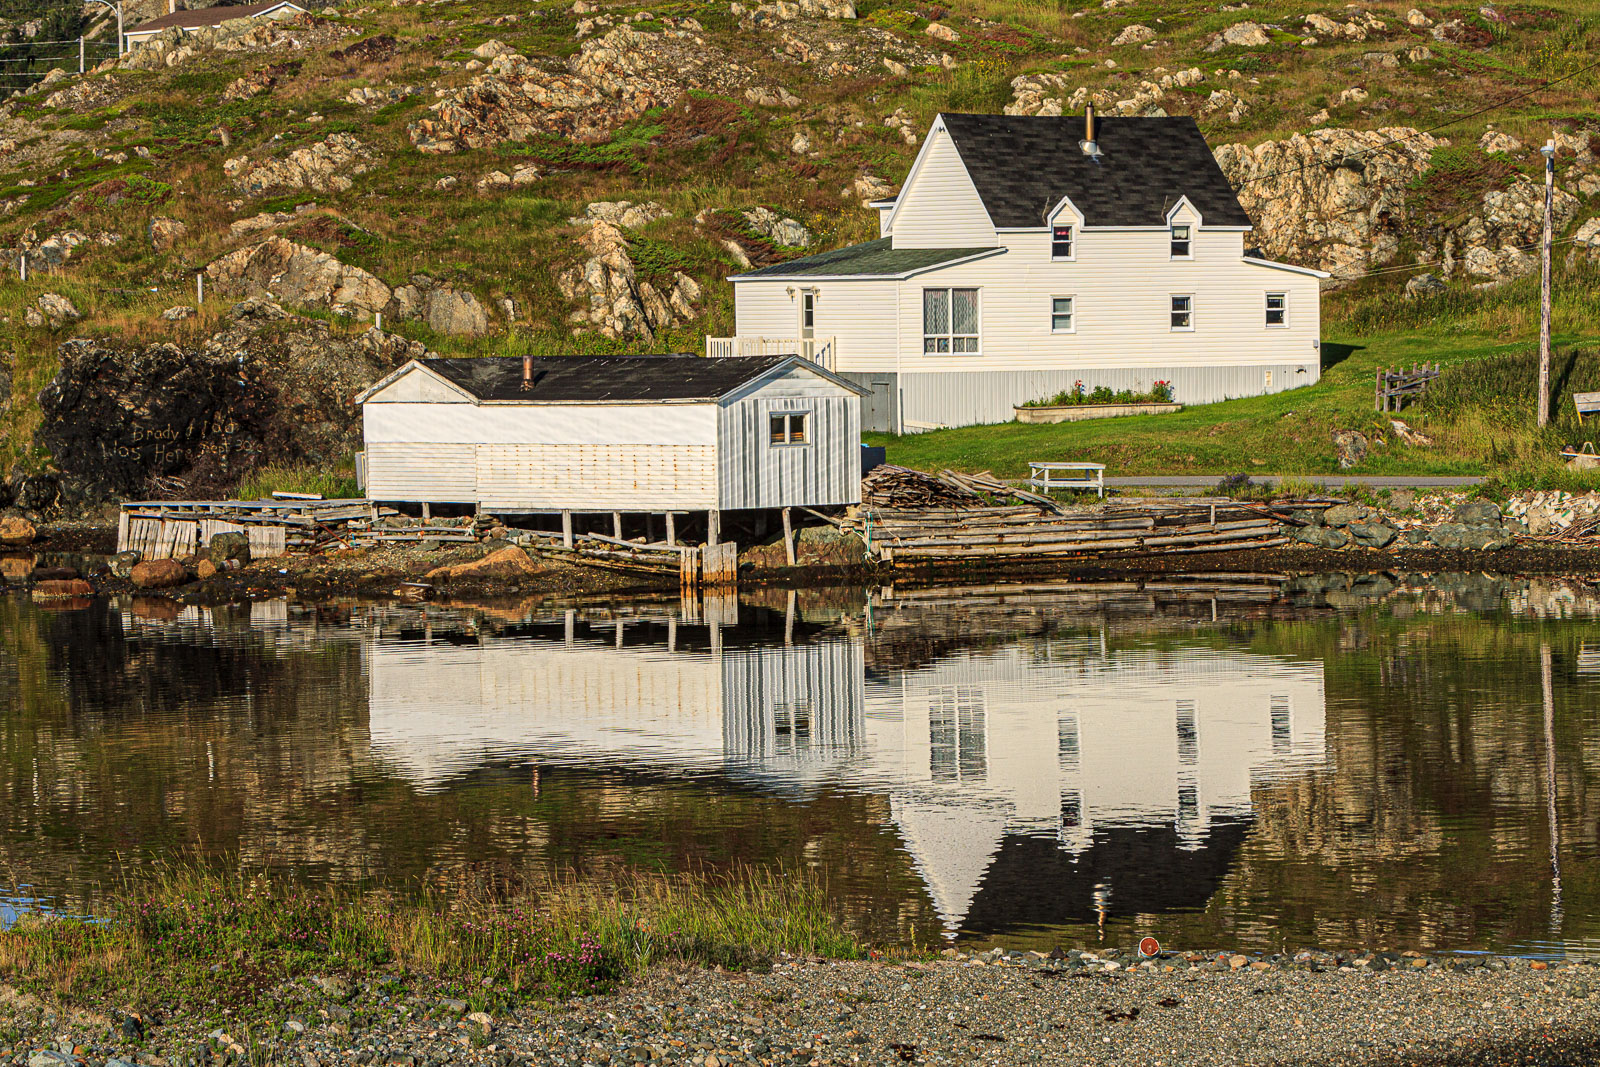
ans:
x=605 y=379
x=874 y=259
x=200 y=18
x=1023 y=165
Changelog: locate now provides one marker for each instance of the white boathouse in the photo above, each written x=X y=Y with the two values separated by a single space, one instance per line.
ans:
x=614 y=434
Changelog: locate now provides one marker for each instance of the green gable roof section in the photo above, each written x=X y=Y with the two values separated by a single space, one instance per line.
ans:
x=874 y=259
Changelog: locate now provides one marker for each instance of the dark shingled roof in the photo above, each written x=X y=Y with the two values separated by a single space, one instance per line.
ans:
x=1024 y=164
x=871 y=258
x=207 y=16
x=568 y=379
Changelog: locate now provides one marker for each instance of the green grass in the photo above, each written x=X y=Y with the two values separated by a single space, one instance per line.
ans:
x=191 y=936
x=1481 y=415
x=334 y=485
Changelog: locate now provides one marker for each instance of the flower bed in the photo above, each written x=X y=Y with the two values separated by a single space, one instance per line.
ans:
x=1078 y=403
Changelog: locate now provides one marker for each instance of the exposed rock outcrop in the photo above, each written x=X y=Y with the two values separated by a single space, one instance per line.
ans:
x=1332 y=198
x=1241 y=35
x=616 y=301
x=623 y=213
x=295 y=274
x=173 y=46
x=325 y=167
x=266 y=388
x=1056 y=94
x=53 y=252
x=165 y=232
x=611 y=80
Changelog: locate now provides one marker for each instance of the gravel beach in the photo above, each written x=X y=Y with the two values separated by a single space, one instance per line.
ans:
x=991 y=1008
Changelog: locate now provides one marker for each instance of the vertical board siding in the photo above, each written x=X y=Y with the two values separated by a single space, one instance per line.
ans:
x=754 y=473
x=940 y=207
x=808 y=700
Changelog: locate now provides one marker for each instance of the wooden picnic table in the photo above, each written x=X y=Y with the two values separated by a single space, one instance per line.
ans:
x=1046 y=475
x=1587 y=404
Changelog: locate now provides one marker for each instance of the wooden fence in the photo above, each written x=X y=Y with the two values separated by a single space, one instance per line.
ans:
x=1394 y=388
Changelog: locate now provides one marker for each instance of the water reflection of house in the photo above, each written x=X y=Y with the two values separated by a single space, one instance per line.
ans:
x=1083 y=778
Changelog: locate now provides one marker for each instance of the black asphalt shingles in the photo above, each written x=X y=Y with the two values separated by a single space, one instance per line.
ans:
x=576 y=379
x=1023 y=165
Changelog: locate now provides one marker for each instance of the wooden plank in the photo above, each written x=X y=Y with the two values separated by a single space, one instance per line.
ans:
x=788 y=538
x=267 y=542
x=720 y=564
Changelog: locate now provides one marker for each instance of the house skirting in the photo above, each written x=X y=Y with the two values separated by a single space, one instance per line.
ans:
x=917 y=401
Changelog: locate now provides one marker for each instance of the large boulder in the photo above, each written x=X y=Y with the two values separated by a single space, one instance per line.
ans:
x=1330 y=537
x=1478 y=513
x=1372 y=534
x=1349 y=447
x=159 y=574
x=15 y=531
x=62 y=589
x=228 y=548
x=509 y=562
x=1240 y=35
x=1344 y=514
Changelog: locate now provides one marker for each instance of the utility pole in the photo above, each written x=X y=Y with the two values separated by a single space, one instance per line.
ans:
x=1549 y=153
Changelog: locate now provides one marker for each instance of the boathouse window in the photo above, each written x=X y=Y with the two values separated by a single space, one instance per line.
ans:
x=1180 y=243
x=788 y=428
x=1061 y=315
x=1183 y=313
x=950 y=321
x=1277 y=309
x=958 y=746
x=1061 y=242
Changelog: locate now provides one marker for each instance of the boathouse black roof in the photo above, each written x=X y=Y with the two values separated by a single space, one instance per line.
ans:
x=1022 y=165
x=574 y=379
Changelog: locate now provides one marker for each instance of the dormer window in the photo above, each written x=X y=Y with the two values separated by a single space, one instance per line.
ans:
x=1061 y=242
x=1180 y=242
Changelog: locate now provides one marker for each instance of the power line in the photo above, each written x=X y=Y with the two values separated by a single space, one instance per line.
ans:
x=1432 y=129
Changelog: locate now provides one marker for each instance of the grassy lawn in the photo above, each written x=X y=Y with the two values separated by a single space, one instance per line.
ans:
x=1481 y=421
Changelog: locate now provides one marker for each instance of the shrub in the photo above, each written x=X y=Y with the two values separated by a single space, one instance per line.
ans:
x=1160 y=393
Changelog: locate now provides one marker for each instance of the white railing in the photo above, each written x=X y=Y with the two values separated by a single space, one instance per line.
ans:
x=823 y=351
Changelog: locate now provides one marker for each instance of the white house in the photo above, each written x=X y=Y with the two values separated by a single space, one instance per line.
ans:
x=1026 y=253
x=1063 y=755
x=645 y=434
x=209 y=18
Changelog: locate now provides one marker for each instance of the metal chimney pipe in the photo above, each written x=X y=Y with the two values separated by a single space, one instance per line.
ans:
x=527 y=372
x=1088 y=123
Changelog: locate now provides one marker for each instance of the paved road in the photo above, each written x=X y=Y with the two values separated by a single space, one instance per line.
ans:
x=1327 y=481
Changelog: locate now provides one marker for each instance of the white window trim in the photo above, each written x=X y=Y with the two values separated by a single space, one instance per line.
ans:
x=1284 y=325
x=1073 y=226
x=923 y=337
x=1171 y=231
x=1063 y=296
x=1180 y=329
x=786 y=414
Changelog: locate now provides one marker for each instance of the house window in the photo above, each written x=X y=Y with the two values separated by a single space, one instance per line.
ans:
x=1180 y=242
x=950 y=320
x=1061 y=315
x=1183 y=313
x=808 y=312
x=787 y=428
x=1061 y=242
x=1277 y=309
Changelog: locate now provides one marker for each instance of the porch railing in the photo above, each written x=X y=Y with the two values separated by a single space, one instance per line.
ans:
x=823 y=351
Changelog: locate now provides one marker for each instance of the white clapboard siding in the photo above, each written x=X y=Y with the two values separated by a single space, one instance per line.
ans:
x=422 y=470
x=859 y=310
x=596 y=476
x=1121 y=283
x=940 y=207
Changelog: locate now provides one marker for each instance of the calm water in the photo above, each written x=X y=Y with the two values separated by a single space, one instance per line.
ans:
x=1241 y=762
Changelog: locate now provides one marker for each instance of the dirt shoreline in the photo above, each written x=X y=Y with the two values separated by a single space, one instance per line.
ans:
x=404 y=572
x=1100 y=1009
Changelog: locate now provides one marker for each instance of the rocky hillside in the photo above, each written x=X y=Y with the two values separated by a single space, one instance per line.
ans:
x=560 y=176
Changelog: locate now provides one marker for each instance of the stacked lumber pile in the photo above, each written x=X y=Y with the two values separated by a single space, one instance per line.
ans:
x=901 y=488
x=614 y=554
x=934 y=535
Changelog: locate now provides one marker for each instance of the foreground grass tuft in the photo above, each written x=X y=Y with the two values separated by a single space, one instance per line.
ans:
x=194 y=937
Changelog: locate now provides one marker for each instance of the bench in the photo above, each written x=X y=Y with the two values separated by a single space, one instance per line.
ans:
x=1045 y=476
x=1587 y=404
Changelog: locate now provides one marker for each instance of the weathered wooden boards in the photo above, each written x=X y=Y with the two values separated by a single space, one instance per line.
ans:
x=927 y=536
x=889 y=486
x=165 y=529
x=1392 y=388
